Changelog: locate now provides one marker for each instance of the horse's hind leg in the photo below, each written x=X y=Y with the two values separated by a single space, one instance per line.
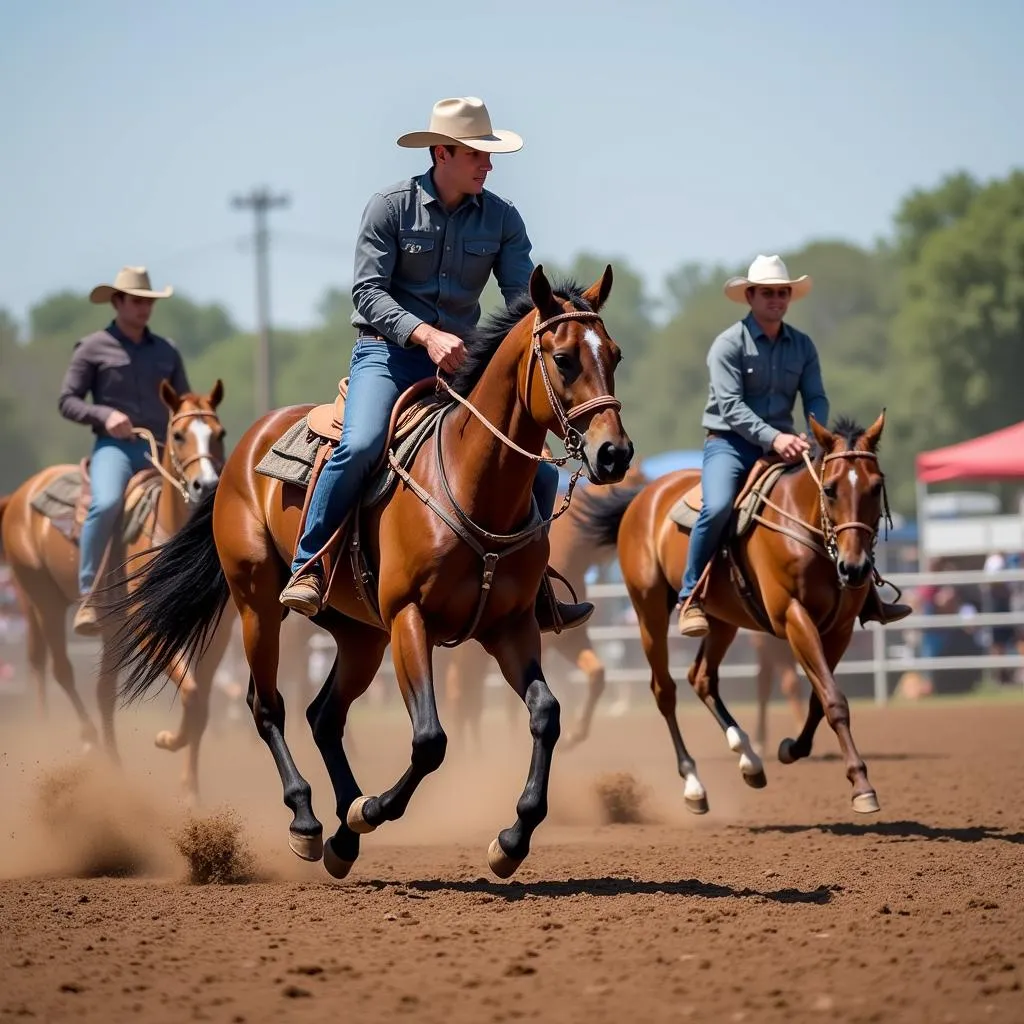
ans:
x=579 y=651
x=194 y=684
x=360 y=651
x=411 y=653
x=106 y=701
x=653 y=609
x=37 y=657
x=704 y=680
x=517 y=651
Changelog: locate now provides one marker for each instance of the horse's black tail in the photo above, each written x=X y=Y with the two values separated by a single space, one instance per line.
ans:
x=179 y=597
x=600 y=512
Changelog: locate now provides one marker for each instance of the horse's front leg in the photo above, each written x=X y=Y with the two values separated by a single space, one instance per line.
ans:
x=807 y=644
x=411 y=654
x=516 y=648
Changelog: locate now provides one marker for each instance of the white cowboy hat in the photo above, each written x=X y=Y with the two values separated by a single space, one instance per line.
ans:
x=462 y=121
x=766 y=270
x=132 y=281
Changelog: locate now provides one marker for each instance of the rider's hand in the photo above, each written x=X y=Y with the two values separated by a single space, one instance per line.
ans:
x=118 y=425
x=446 y=350
x=790 y=446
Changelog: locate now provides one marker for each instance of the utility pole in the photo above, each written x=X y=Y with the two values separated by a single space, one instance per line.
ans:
x=260 y=201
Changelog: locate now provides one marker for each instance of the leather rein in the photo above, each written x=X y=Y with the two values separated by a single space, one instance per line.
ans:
x=829 y=530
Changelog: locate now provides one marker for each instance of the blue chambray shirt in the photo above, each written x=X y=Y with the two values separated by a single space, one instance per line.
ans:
x=755 y=382
x=417 y=263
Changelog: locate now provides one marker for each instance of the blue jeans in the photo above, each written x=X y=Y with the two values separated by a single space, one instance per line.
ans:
x=378 y=374
x=727 y=461
x=111 y=467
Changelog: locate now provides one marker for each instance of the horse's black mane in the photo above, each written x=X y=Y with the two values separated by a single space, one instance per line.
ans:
x=483 y=342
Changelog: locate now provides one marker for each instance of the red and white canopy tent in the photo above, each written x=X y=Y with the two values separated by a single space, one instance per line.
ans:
x=995 y=456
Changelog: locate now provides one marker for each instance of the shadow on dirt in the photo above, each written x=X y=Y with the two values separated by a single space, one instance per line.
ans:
x=511 y=891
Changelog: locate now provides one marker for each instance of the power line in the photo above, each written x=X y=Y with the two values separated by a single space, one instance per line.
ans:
x=260 y=201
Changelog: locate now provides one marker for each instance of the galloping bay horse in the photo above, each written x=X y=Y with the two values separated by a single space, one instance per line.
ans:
x=457 y=551
x=44 y=562
x=572 y=554
x=807 y=560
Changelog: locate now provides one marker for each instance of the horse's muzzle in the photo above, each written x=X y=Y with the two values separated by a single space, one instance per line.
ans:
x=853 y=575
x=611 y=462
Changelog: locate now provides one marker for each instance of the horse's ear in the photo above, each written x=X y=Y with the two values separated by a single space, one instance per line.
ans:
x=597 y=294
x=822 y=435
x=169 y=396
x=540 y=292
x=874 y=433
x=216 y=395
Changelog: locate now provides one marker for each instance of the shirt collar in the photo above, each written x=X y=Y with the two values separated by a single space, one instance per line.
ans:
x=757 y=331
x=429 y=192
x=118 y=335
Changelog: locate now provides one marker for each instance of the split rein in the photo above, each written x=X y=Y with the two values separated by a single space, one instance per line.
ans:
x=571 y=437
x=178 y=482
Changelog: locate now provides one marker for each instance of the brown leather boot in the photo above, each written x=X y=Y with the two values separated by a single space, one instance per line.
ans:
x=553 y=615
x=877 y=610
x=86 y=621
x=693 y=622
x=305 y=591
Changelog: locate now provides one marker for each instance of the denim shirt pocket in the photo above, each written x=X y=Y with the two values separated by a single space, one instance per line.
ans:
x=478 y=256
x=756 y=374
x=416 y=257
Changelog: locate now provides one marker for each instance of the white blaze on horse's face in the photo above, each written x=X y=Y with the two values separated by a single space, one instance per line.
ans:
x=591 y=337
x=203 y=433
x=852 y=476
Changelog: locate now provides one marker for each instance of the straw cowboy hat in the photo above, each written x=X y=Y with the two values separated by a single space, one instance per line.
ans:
x=462 y=121
x=766 y=270
x=131 y=281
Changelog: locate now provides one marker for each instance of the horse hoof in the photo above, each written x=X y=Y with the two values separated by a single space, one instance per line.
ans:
x=865 y=803
x=500 y=862
x=756 y=781
x=336 y=867
x=696 y=804
x=355 y=820
x=164 y=740
x=306 y=847
x=786 y=755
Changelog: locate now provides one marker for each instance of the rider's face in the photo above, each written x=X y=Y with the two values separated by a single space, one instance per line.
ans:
x=769 y=302
x=134 y=312
x=465 y=170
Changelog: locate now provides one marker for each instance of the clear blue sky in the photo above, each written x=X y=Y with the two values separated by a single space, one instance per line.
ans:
x=658 y=131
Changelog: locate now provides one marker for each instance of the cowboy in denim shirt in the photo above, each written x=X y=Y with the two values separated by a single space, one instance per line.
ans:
x=122 y=367
x=757 y=368
x=425 y=250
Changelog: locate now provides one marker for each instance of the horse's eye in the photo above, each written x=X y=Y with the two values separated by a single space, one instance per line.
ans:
x=876 y=489
x=830 y=492
x=179 y=437
x=563 y=361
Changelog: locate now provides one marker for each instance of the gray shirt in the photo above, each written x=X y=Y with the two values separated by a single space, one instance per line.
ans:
x=417 y=263
x=755 y=381
x=122 y=375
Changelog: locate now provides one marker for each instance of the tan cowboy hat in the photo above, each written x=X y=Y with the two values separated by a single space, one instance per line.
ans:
x=766 y=270
x=132 y=281
x=462 y=121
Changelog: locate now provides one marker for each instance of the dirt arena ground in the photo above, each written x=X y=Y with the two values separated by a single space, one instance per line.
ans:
x=779 y=905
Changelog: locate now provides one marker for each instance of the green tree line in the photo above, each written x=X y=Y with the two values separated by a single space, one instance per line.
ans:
x=928 y=323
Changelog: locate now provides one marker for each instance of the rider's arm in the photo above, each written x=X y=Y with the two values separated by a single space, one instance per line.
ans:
x=812 y=389
x=79 y=380
x=514 y=265
x=376 y=256
x=725 y=362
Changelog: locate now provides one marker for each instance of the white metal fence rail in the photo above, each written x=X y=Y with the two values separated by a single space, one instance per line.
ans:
x=886 y=658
